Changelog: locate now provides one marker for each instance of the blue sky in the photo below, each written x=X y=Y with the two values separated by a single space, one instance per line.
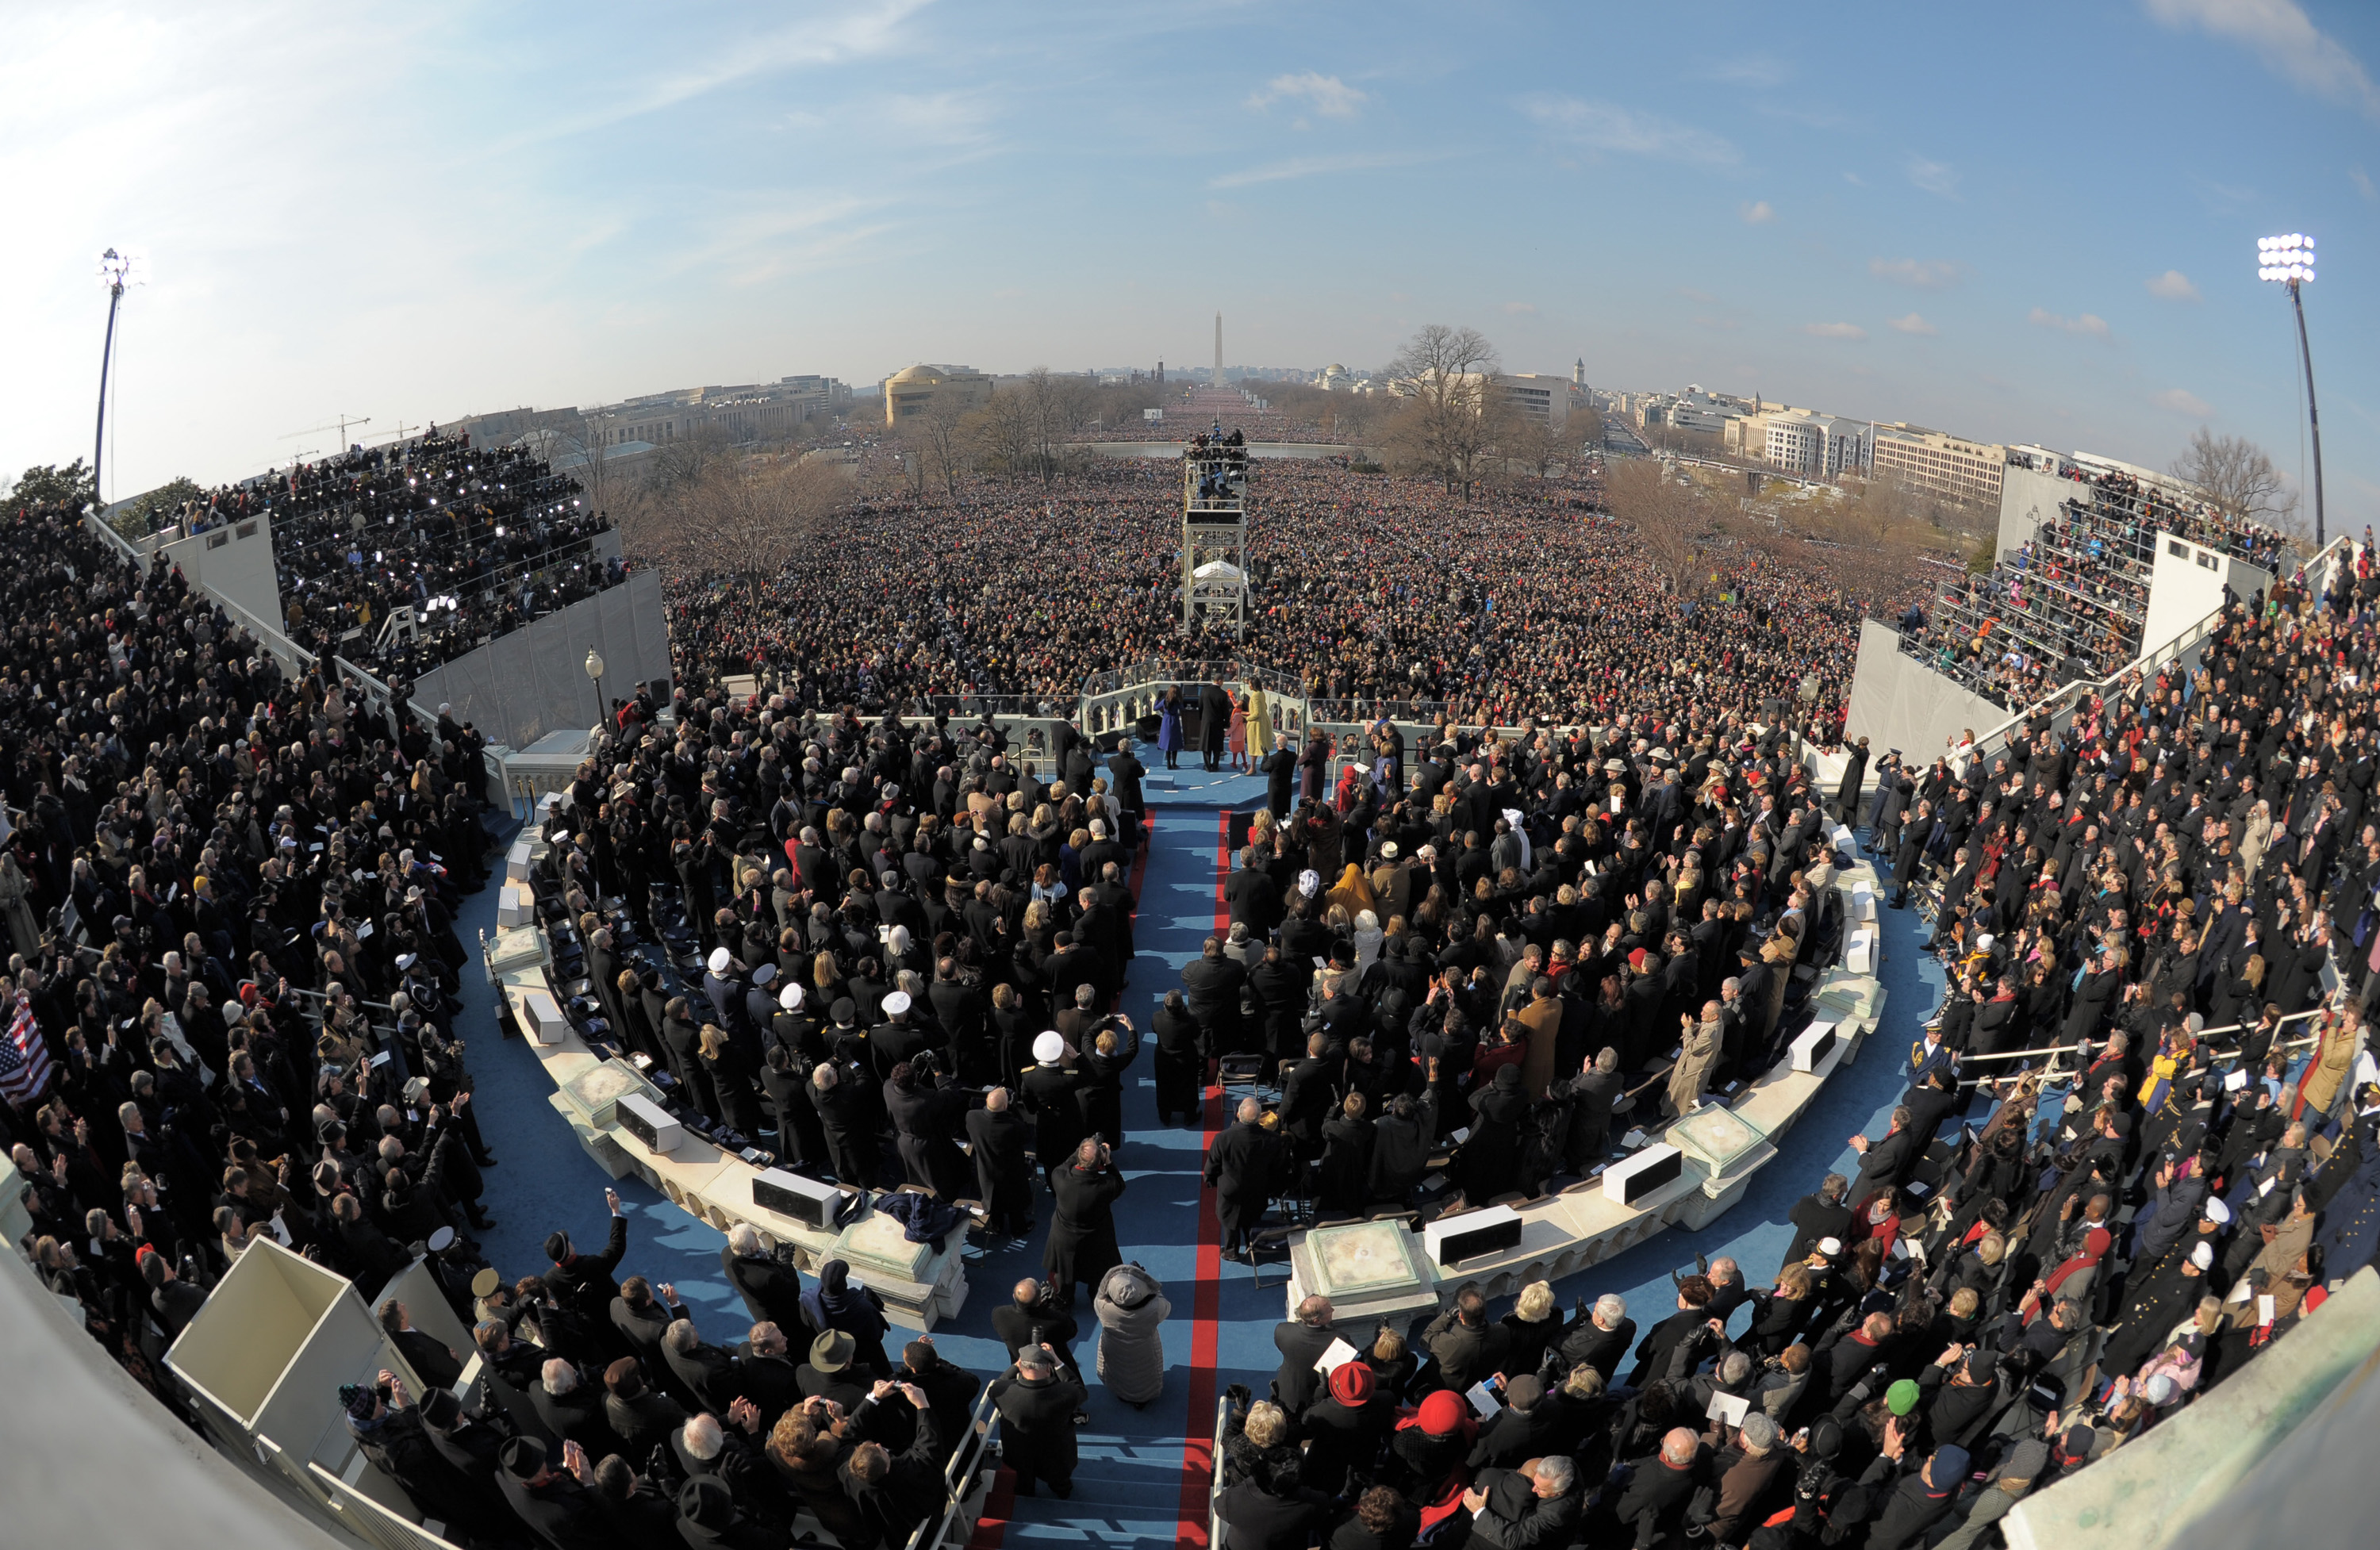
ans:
x=2016 y=222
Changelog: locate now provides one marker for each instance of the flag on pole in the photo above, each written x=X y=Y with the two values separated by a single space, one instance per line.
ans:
x=24 y=1059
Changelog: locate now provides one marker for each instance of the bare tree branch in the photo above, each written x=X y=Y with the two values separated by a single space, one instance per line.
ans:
x=2239 y=479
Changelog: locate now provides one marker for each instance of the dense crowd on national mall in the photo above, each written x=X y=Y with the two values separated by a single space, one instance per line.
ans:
x=1457 y=970
x=1367 y=588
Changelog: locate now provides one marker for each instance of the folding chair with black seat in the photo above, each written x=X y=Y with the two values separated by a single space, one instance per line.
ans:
x=1267 y=1242
x=1245 y=1071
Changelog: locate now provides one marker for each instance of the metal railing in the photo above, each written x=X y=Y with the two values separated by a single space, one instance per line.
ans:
x=2203 y=1034
x=1215 y=1527
x=2058 y=704
x=951 y=1523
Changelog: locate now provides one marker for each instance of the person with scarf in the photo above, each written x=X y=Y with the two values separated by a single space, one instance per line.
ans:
x=2072 y=1280
x=1427 y=1450
x=837 y=1303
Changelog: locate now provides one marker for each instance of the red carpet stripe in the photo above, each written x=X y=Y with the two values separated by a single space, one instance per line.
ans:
x=1207 y=1303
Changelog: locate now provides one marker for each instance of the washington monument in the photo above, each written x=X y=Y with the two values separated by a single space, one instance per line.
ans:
x=1218 y=350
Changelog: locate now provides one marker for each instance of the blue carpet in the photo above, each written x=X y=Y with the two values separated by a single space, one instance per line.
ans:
x=1129 y=1488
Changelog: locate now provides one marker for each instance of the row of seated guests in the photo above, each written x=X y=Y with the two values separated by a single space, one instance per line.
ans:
x=609 y=1423
x=2070 y=601
x=477 y=541
x=2151 y=508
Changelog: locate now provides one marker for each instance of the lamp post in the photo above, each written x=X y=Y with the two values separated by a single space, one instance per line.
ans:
x=595 y=672
x=2289 y=260
x=116 y=270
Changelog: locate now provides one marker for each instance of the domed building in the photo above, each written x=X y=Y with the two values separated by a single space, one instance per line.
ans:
x=913 y=389
x=1335 y=378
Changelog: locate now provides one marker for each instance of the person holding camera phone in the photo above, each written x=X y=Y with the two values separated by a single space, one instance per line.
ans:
x=1082 y=1245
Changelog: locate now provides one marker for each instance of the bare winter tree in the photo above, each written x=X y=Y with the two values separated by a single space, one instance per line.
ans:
x=999 y=435
x=1450 y=418
x=942 y=443
x=682 y=462
x=1676 y=524
x=1535 y=446
x=2239 y=479
x=746 y=517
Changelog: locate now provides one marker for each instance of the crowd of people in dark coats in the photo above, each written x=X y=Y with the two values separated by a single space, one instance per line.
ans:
x=1486 y=957
x=1365 y=588
x=2140 y=1142
x=475 y=540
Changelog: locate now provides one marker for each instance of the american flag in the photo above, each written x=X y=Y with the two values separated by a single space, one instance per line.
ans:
x=24 y=1059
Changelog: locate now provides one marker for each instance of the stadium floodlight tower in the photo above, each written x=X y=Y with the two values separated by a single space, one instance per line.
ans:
x=2289 y=260
x=1215 y=538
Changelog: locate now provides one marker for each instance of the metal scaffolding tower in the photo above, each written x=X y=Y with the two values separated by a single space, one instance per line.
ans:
x=1215 y=538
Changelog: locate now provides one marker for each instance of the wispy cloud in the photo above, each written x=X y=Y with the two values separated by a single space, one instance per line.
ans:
x=2223 y=198
x=1328 y=95
x=1923 y=274
x=1833 y=331
x=1519 y=308
x=2363 y=181
x=1759 y=213
x=1606 y=127
x=869 y=31
x=1913 y=324
x=2181 y=401
x=2172 y=285
x=2285 y=39
x=1935 y=177
x=2087 y=326
x=1751 y=70
x=1318 y=166
x=950 y=118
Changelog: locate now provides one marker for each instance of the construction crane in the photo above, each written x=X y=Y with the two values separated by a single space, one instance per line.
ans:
x=340 y=425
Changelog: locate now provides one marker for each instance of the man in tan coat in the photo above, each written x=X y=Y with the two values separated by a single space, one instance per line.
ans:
x=1692 y=1073
x=1543 y=1018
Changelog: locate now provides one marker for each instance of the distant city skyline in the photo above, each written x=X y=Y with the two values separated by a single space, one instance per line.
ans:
x=2037 y=228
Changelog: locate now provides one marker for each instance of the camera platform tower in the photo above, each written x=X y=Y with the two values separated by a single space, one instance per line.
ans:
x=1215 y=538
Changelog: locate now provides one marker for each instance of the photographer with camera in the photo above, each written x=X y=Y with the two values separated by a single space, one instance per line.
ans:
x=1035 y=1319
x=1082 y=1245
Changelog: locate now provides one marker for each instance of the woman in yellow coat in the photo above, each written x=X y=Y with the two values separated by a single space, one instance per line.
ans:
x=1259 y=726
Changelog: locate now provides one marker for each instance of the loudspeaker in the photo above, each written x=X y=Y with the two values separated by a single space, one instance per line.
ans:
x=648 y=1122
x=1657 y=1165
x=790 y=1195
x=545 y=1022
x=1815 y=1044
x=1452 y=1240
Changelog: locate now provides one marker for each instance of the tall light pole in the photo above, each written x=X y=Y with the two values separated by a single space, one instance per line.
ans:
x=595 y=672
x=116 y=270
x=2289 y=260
